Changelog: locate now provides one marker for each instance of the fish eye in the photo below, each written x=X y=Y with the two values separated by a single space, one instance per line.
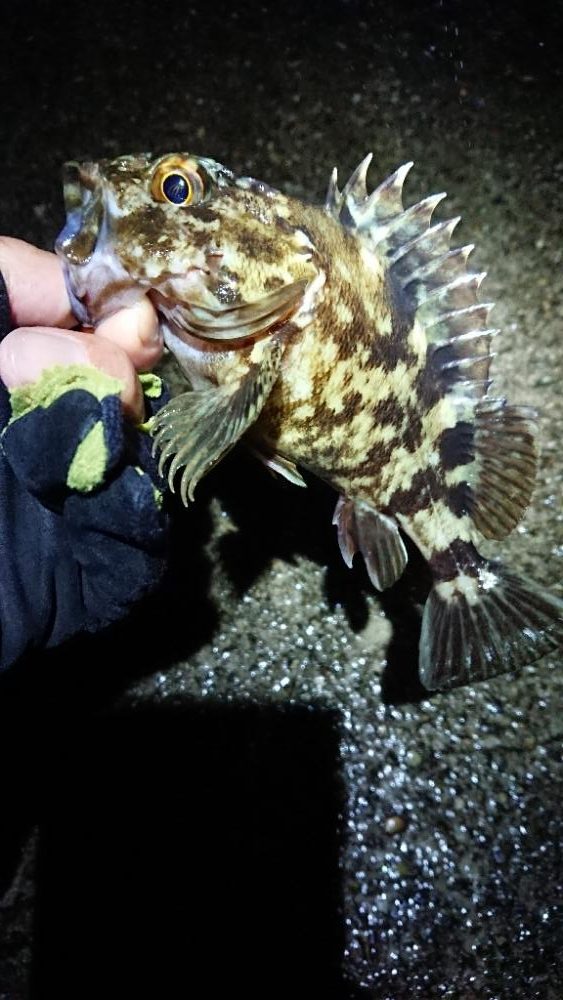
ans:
x=176 y=183
x=177 y=189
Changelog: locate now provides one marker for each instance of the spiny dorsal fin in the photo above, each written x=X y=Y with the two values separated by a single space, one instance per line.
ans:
x=492 y=442
x=355 y=209
x=431 y=282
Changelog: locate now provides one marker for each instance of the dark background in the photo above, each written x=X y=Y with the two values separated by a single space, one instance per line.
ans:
x=177 y=847
x=268 y=87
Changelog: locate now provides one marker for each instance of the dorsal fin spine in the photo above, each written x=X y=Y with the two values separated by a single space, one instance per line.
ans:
x=333 y=196
x=466 y=337
x=355 y=189
x=441 y=231
x=466 y=313
x=436 y=291
x=427 y=270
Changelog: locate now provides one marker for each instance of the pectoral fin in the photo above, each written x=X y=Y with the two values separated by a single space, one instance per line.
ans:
x=198 y=428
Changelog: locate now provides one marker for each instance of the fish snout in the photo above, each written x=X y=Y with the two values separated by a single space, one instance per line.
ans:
x=83 y=198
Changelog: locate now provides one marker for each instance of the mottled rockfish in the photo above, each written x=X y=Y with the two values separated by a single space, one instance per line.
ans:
x=348 y=340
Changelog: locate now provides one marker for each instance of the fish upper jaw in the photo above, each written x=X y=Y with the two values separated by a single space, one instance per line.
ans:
x=85 y=212
x=96 y=282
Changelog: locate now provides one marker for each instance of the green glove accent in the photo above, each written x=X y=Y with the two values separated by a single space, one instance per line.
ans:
x=55 y=381
x=86 y=471
x=152 y=385
x=157 y=494
x=152 y=389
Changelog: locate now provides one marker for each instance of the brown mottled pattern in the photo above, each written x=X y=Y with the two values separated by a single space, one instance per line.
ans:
x=358 y=381
x=459 y=557
x=356 y=400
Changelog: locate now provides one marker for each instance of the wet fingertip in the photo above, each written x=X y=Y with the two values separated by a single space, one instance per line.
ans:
x=110 y=357
x=26 y=352
x=136 y=330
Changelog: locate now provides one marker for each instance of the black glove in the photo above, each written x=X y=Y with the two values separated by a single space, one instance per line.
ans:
x=82 y=527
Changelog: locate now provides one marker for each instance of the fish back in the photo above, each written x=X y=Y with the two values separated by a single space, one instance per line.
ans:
x=475 y=470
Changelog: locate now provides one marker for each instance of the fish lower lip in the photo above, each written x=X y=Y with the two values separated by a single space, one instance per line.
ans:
x=76 y=304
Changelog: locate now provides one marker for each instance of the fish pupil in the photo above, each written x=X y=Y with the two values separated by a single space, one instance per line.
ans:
x=176 y=188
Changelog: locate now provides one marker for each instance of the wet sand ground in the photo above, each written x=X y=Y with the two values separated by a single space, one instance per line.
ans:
x=449 y=806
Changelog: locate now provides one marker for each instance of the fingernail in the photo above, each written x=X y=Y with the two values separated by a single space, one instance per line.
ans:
x=26 y=352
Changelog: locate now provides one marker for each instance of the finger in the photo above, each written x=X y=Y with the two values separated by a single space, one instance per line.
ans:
x=136 y=330
x=27 y=352
x=35 y=283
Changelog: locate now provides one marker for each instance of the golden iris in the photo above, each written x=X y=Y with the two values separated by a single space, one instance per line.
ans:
x=177 y=181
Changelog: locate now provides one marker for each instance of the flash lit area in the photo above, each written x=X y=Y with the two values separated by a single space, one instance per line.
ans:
x=243 y=788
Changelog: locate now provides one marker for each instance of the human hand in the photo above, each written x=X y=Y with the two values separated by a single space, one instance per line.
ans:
x=81 y=510
x=127 y=342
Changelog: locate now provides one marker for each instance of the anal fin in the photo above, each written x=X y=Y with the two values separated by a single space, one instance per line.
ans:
x=376 y=536
x=197 y=428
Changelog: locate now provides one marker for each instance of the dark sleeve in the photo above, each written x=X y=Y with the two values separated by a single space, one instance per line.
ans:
x=5 y=314
x=72 y=561
x=6 y=324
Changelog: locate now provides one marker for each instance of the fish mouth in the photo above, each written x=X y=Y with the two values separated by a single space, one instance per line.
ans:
x=240 y=322
x=193 y=303
x=83 y=197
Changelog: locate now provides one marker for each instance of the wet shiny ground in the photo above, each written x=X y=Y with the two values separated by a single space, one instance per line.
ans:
x=450 y=806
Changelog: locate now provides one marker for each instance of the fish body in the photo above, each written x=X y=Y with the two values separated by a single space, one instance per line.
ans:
x=348 y=340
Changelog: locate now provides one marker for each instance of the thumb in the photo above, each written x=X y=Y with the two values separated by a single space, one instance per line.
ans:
x=27 y=352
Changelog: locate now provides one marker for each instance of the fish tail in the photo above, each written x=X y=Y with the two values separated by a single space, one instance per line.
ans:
x=484 y=621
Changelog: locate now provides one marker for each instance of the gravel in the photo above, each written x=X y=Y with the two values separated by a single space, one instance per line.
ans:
x=444 y=811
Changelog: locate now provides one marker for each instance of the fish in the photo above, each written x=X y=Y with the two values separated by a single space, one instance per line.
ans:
x=347 y=340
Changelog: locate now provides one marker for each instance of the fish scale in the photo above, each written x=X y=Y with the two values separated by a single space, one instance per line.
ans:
x=347 y=340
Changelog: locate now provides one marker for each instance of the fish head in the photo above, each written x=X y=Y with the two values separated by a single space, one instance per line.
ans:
x=221 y=257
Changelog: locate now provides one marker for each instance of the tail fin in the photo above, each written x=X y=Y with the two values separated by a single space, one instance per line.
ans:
x=474 y=627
